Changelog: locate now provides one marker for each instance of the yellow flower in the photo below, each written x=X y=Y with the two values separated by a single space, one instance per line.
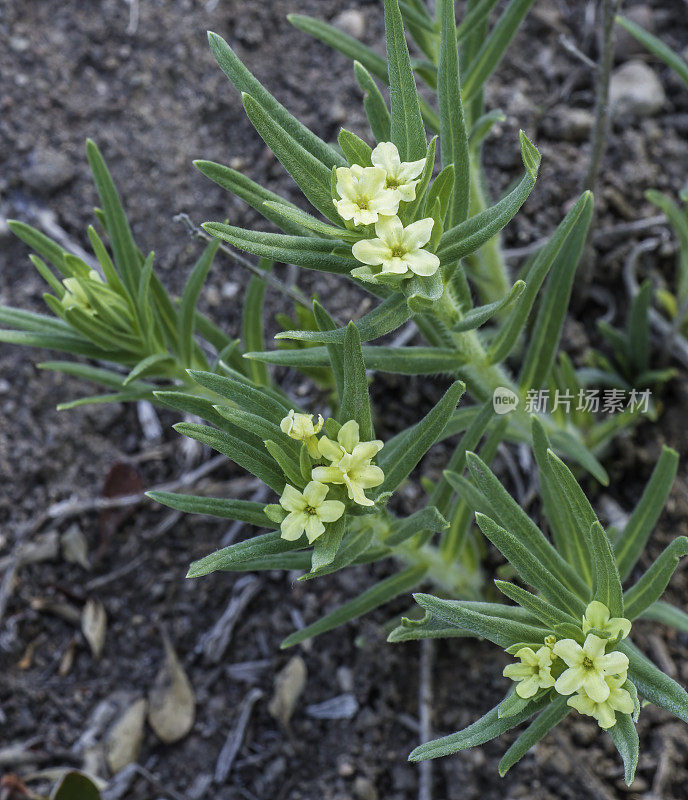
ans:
x=301 y=428
x=350 y=463
x=399 y=249
x=588 y=667
x=363 y=194
x=400 y=174
x=618 y=700
x=308 y=511
x=75 y=296
x=532 y=673
x=597 y=616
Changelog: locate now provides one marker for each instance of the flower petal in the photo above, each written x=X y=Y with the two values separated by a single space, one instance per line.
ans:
x=410 y=170
x=348 y=436
x=293 y=525
x=596 y=615
x=315 y=492
x=370 y=251
x=570 y=680
x=314 y=528
x=594 y=646
x=332 y=451
x=292 y=499
x=595 y=686
x=528 y=687
x=422 y=263
x=390 y=230
x=517 y=672
x=613 y=663
x=582 y=704
x=330 y=510
x=369 y=476
x=570 y=651
x=327 y=475
x=346 y=185
x=605 y=716
x=417 y=234
x=621 y=700
x=386 y=156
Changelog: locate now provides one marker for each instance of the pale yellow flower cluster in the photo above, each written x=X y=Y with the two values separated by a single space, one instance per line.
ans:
x=350 y=465
x=371 y=196
x=594 y=678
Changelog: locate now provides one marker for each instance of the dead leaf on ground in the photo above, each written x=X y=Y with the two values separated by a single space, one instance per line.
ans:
x=124 y=739
x=122 y=480
x=75 y=546
x=172 y=704
x=67 y=659
x=94 y=625
x=289 y=685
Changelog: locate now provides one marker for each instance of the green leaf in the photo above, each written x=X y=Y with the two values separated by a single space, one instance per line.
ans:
x=355 y=401
x=391 y=314
x=512 y=517
x=499 y=630
x=311 y=223
x=475 y=14
x=428 y=518
x=667 y=614
x=631 y=542
x=39 y=242
x=555 y=300
x=258 y=426
x=428 y=627
x=482 y=314
x=408 y=131
x=608 y=589
x=650 y=587
x=326 y=546
x=309 y=173
x=467 y=237
x=252 y=325
x=508 y=335
x=66 y=344
x=126 y=253
x=353 y=546
x=374 y=104
x=525 y=561
x=257 y=462
x=494 y=47
x=304 y=251
x=290 y=466
x=625 y=737
x=243 y=393
x=252 y=193
x=548 y=614
x=453 y=134
x=552 y=715
x=398 y=461
x=653 y=684
x=190 y=404
x=488 y=727
x=36 y=323
x=230 y=558
x=190 y=296
x=224 y=507
x=656 y=47
x=400 y=360
x=334 y=354
x=377 y=595
x=638 y=327
x=154 y=364
x=344 y=43
x=245 y=82
x=354 y=148
x=75 y=786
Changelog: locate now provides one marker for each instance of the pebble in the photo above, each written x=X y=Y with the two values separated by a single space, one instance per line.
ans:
x=569 y=124
x=635 y=90
x=350 y=21
x=48 y=170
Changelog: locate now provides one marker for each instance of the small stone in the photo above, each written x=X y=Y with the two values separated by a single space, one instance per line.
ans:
x=577 y=124
x=4 y=384
x=350 y=21
x=626 y=46
x=19 y=44
x=229 y=290
x=635 y=90
x=345 y=679
x=365 y=789
x=48 y=170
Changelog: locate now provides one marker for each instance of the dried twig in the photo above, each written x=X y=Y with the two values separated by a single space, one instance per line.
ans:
x=213 y=643
x=236 y=736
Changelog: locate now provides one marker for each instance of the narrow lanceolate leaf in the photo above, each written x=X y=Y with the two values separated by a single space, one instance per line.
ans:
x=39 y=242
x=374 y=104
x=310 y=252
x=376 y=596
x=252 y=193
x=124 y=249
x=500 y=631
x=257 y=462
x=453 y=134
x=408 y=131
x=353 y=547
x=391 y=314
x=243 y=393
x=653 y=684
x=625 y=737
x=555 y=301
x=428 y=627
x=333 y=352
x=190 y=296
x=400 y=360
x=467 y=237
x=508 y=335
x=244 y=81
x=657 y=47
x=326 y=546
x=494 y=47
x=428 y=518
x=67 y=344
x=631 y=542
x=650 y=587
x=482 y=314
x=154 y=364
x=228 y=558
x=308 y=172
x=252 y=324
x=667 y=614
x=398 y=461
x=552 y=715
x=355 y=402
x=607 y=582
x=224 y=507
x=548 y=614
x=520 y=556
x=512 y=517
x=483 y=730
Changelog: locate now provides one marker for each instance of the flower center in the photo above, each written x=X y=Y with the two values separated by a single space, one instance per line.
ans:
x=587 y=663
x=362 y=202
x=397 y=251
x=392 y=182
x=312 y=511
